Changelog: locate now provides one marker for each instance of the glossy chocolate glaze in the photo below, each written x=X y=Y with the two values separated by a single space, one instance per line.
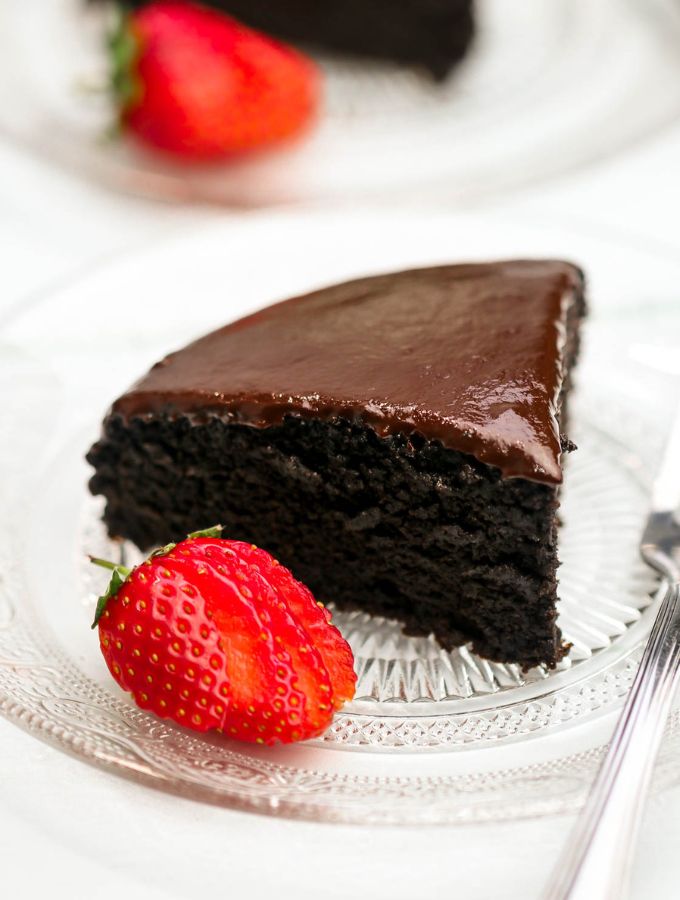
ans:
x=470 y=355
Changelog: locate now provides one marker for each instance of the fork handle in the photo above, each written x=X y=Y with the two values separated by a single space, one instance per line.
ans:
x=596 y=863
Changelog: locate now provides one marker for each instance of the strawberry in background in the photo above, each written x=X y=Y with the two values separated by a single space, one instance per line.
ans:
x=198 y=85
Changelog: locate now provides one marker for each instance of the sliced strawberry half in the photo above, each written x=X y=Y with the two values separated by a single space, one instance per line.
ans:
x=316 y=618
x=280 y=687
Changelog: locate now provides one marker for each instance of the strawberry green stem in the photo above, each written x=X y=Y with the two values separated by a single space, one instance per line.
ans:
x=107 y=564
x=214 y=532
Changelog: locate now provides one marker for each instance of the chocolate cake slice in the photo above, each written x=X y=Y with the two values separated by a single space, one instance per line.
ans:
x=395 y=441
x=434 y=34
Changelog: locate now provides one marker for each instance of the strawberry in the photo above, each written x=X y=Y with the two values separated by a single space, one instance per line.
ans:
x=199 y=85
x=334 y=649
x=215 y=634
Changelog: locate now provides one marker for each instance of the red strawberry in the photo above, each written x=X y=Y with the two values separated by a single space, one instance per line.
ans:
x=197 y=84
x=334 y=649
x=214 y=634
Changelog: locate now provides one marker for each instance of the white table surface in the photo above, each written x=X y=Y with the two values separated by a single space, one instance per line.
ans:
x=67 y=830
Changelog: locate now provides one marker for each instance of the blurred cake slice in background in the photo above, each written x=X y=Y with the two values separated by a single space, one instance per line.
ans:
x=434 y=34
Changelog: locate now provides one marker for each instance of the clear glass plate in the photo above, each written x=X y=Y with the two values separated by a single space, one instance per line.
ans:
x=412 y=694
x=546 y=87
x=63 y=359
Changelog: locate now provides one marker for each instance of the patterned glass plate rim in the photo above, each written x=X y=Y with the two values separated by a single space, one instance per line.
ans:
x=52 y=684
x=523 y=106
x=45 y=690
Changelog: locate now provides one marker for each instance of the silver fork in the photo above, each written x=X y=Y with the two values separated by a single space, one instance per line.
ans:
x=596 y=863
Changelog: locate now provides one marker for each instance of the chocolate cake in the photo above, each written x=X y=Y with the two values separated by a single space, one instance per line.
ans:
x=396 y=441
x=430 y=33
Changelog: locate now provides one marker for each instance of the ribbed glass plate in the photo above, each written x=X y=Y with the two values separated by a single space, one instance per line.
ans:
x=412 y=694
x=546 y=87
x=422 y=717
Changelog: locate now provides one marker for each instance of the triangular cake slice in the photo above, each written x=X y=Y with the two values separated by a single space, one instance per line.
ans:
x=396 y=441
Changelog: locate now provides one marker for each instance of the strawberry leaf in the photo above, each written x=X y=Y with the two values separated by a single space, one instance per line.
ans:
x=124 y=52
x=118 y=576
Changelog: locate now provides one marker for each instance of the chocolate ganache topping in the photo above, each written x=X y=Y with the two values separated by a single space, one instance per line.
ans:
x=469 y=355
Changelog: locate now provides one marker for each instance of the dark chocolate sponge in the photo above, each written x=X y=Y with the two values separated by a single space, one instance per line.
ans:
x=447 y=529
x=434 y=34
